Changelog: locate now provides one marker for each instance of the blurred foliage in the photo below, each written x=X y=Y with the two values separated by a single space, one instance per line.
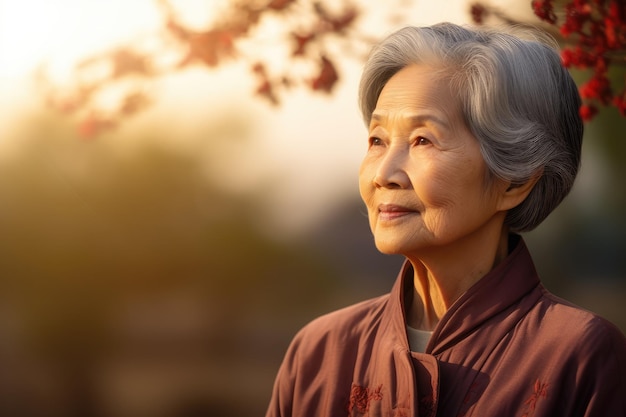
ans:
x=592 y=35
x=91 y=234
x=108 y=87
x=308 y=36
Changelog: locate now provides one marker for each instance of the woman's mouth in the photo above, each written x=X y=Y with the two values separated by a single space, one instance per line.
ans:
x=394 y=211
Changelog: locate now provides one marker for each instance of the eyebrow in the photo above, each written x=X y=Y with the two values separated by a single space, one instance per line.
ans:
x=416 y=119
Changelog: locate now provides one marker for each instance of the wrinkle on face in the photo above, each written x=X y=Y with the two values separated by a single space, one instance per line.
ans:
x=417 y=102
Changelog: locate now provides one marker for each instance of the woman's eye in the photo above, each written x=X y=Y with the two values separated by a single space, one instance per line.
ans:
x=422 y=141
x=374 y=141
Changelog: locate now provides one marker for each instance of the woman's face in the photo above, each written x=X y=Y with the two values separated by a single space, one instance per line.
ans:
x=423 y=177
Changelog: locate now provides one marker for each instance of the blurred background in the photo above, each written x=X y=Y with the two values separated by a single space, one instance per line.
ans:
x=157 y=261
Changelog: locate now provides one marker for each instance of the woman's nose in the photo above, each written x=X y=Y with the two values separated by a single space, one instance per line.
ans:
x=391 y=172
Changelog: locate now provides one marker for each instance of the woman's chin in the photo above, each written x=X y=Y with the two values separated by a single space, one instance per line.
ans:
x=390 y=247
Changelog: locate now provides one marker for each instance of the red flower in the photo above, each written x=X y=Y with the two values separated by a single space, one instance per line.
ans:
x=479 y=12
x=301 y=42
x=587 y=112
x=326 y=78
x=544 y=10
x=620 y=103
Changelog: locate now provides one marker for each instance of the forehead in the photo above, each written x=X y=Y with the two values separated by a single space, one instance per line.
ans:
x=418 y=92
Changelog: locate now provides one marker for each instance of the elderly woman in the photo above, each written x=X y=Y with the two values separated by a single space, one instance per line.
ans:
x=474 y=136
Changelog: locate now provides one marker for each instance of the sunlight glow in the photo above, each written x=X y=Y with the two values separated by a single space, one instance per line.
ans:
x=198 y=14
x=311 y=146
x=59 y=32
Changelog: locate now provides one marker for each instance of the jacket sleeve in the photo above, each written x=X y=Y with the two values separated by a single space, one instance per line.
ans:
x=281 y=403
x=601 y=372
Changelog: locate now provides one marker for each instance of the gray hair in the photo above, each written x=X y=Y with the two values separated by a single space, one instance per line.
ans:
x=517 y=99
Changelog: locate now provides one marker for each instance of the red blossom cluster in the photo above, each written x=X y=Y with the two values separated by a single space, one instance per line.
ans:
x=309 y=44
x=593 y=34
x=310 y=29
x=91 y=78
x=598 y=31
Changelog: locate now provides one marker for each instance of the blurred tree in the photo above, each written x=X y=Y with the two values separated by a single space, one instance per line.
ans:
x=312 y=33
x=313 y=37
x=90 y=234
x=593 y=35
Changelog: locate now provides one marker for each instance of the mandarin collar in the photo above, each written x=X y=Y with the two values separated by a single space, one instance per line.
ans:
x=501 y=287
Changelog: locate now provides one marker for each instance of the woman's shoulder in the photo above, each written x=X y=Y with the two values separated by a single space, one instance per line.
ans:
x=352 y=319
x=332 y=340
x=585 y=329
x=345 y=324
x=317 y=370
x=585 y=353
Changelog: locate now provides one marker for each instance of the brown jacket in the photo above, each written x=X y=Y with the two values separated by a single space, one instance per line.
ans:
x=506 y=348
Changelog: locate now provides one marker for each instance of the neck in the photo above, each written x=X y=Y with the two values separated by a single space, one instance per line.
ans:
x=443 y=275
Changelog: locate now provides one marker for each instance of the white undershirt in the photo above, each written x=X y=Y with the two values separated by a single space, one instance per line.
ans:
x=418 y=339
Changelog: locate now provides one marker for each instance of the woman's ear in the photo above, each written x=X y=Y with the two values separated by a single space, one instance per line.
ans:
x=514 y=194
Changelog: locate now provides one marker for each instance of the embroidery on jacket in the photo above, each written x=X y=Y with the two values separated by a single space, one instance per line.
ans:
x=360 y=398
x=540 y=391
